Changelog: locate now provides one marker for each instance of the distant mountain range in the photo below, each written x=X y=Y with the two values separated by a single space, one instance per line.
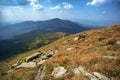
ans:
x=28 y=35
x=53 y=25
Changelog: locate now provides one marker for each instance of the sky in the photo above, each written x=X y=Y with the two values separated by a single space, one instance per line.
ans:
x=34 y=10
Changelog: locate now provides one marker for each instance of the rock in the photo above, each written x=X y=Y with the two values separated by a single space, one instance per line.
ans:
x=69 y=49
x=76 y=38
x=41 y=62
x=40 y=74
x=34 y=56
x=90 y=76
x=100 y=76
x=82 y=70
x=10 y=69
x=110 y=57
x=79 y=37
x=58 y=71
x=76 y=71
x=29 y=64
x=45 y=57
x=118 y=42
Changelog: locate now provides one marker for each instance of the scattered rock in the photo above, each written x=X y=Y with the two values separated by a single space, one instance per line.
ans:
x=41 y=62
x=29 y=64
x=58 y=71
x=69 y=49
x=79 y=37
x=110 y=57
x=82 y=70
x=40 y=74
x=76 y=38
x=118 y=42
x=100 y=76
x=90 y=76
x=76 y=71
x=34 y=56
x=45 y=57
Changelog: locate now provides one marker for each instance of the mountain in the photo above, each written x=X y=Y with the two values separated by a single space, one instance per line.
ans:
x=53 y=25
x=88 y=55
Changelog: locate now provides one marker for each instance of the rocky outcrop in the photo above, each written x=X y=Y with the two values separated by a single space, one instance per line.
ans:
x=58 y=71
x=100 y=76
x=90 y=76
x=29 y=64
x=40 y=73
x=34 y=56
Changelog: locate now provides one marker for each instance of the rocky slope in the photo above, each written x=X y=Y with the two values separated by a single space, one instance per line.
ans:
x=89 y=55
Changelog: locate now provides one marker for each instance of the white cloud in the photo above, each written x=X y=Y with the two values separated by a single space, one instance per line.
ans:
x=96 y=2
x=67 y=5
x=56 y=7
x=35 y=5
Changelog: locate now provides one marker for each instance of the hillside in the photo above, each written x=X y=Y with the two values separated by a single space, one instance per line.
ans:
x=27 y=42
x=88 y=55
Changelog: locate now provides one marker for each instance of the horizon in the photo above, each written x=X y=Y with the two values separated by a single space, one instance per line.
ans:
x=93 y=12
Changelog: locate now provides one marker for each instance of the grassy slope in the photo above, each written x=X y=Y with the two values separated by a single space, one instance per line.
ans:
x=27 y=42
x=87 y=52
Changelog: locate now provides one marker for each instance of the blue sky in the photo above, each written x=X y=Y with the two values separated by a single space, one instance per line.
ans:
x=93 y=10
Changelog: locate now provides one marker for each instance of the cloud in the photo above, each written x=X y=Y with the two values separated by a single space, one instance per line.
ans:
x=56 y=7
x=96 y=2
x=67 y=5
x=35 y=5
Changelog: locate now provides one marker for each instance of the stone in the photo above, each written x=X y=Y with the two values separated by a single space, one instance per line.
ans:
x=69 y=49
x=82 y=70
x=58 y=71
x=76 y=38
x=40 y=74
x=41 y=62
x=118 y=42
x=90 y=76
x=110 y=57
x=34 y=56
x=100 y=76
x=76 y=71
x=29 y=64
x=79 y=37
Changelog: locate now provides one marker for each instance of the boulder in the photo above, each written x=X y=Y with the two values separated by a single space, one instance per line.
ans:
x=82 y=70
x=34 y=56
x=76 y=71
x=58 y=71
x=41 y=62
x=79 y=37
x=90 y=76
x=100 y=76
x=40 y=74
x=118 y=42
x=29 y=64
